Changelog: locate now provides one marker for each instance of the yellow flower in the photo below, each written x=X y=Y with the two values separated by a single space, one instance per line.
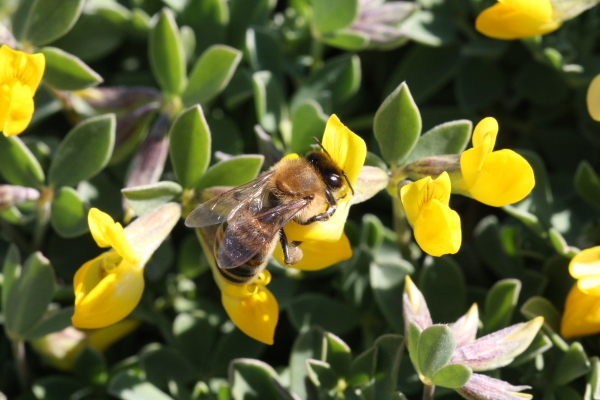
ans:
x=60 y=349
x=593 y=98
x=20 y=76
x=495 y=178
x=436 y=226
x=349 y=151
x=252 y=308
x=582 y=308
x=110 y=286
x=515 y=19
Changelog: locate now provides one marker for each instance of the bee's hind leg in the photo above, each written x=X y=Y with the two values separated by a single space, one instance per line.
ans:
x=292 y=254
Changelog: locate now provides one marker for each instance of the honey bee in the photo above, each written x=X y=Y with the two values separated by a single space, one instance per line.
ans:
x=252 y=216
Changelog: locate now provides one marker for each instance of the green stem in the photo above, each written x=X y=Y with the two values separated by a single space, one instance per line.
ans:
x=41 y=225
x=428 y=392
x=18 y=349
x=401 y=228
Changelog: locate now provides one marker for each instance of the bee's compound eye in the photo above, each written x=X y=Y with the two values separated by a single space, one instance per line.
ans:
x=334 y=181
x=312 y=158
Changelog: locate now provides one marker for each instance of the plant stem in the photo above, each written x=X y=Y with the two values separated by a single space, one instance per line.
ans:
x=18 y=349
x=428 y=392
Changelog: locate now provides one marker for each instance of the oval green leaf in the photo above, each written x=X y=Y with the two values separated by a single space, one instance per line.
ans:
x=69 y=213
x=146 y=198
x=233 y=172
x=500 y=302
x=18 y=165
x=452 y=376
x=30 y=296
x=268 y=99
x=190 y=146
x=211 y=74
x=317 y=309
x=64 y=71
x=84 y=152
x=436 y=346
x=587 y=184
x=330 y=15
x=447 y=138
x=11 y=269
x=167 y=57
x=308 y=121
x=56 y=321
x=252 y=379
x=397 y=125
x=46 y=20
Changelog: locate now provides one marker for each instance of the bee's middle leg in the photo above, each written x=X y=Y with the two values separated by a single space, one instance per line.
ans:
x=324 y=216
x=292 y=254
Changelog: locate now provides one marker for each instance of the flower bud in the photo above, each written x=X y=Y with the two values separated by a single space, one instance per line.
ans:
x=482 y=387
x=12 y=195
x=465 y=329
x=371 y=181
x=499 y=348
x=114 y=98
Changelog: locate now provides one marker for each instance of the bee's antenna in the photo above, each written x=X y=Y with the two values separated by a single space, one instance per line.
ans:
x=343 y=173
x=321 y=145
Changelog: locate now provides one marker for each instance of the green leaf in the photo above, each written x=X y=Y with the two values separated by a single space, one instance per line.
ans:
x=573 y=364
x=188 y=40
x=18 y=165
x=196 y=335
x=69 y=213
x=235 y=344
x=538 y=306
x=208 y=19
x=190 y=146
x=489 y=244
x=308 y=345
x=11 y=269
x=90 y=366
x=500 y=302
x=127 y=386
x=167 y=57
x=316 y=309
x=540 y=344
x=211 y=74
x=321 y=374
x=338 y=80
x=165 y=364
x=268 y=99
x=330 y=15
x=346 y=39
x=146 y=198
x=189 y=261
x=533 y=80
x=452 y=376
x=30 y=296
x=84 y=152
x=431 y=28
x=389 y=355
x=387 y=281
x=233 y=172
x=414 y=334
x=54 y=322
x=264 y=50
x=362 y=369
x=442 y=279
x=594 y=379
x=252 y=379
x=64 y=71
x=245 y=14
x=46 y=20
x=587 y=184
x=448 y=138
x=436 y=346
x=337 y=354
x=426 y=70
x=308 y=121
x=397 y=125
x=560 y=244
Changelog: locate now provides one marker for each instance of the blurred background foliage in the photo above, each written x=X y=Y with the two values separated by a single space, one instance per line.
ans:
x=268 y=74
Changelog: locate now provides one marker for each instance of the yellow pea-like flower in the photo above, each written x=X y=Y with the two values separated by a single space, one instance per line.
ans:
x=495 y=178
x=515 y=19
x=20 y=76
x=436 y=226
x=110 y=286
x=252 y=307
x=593 y=98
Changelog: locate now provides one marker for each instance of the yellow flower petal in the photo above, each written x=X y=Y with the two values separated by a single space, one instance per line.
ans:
x=101 y=339
x=514 y=19
x=437 y=229
x=504 y=178
x=255 y=315
x=415 y=195
x=318 y=255
x=326 y=231
x=486 y=127
x=16 y=108
x=105 y=296
x=28 y=69
x=586 y=263
x=108 y=233
x=581 y=315
x=346 y=148
x=593 y=98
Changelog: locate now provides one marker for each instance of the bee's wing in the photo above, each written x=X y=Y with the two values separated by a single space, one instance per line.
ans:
x=223 y=207
x=242 y=241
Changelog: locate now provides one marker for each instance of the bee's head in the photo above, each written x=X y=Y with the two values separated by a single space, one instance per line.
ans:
x=332 y=174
